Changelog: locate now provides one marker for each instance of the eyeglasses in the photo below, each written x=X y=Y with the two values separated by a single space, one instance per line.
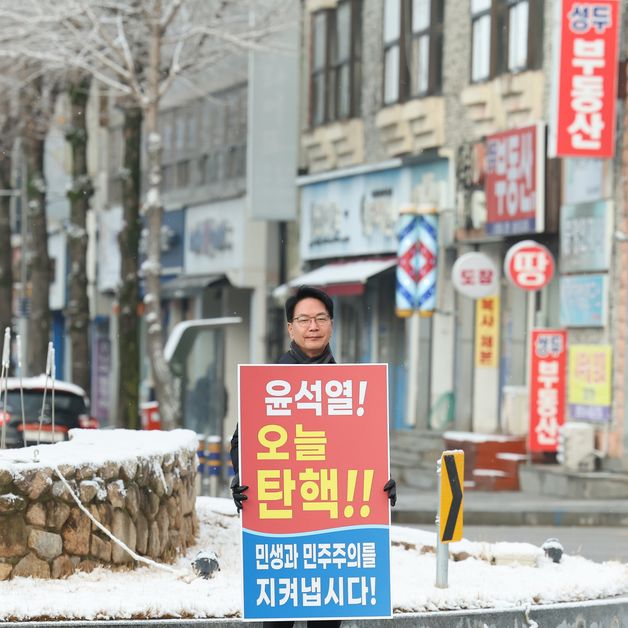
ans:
x=304 y=321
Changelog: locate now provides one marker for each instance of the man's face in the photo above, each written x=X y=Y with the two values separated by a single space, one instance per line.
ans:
x=311 y=336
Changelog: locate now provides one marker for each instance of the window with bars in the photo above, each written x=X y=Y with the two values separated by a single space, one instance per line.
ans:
x=506 y=36
x=336 y=63
x=413 y=44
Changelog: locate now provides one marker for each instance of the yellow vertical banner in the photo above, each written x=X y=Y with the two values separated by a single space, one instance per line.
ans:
x=590 y=382
x=487 y=332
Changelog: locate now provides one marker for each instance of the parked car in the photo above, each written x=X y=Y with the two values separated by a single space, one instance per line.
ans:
x=71 y=406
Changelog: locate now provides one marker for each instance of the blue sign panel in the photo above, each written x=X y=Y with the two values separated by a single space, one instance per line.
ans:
x=326 y=574
x=585 y=237
x=510 y=227
x=357 y=214
x=583 y=300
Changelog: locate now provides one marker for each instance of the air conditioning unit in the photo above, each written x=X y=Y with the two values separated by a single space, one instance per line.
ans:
x=515 y=415
x=576 y=446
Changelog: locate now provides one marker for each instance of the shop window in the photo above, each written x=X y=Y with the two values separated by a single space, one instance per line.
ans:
x=413 y=43
x=336 y=63
x=505 y=37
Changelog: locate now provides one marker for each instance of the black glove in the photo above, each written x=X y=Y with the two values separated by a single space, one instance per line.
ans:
x=237 y=492
x=391 y=488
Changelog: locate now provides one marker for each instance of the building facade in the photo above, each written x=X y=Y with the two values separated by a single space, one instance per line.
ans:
x=446 y=105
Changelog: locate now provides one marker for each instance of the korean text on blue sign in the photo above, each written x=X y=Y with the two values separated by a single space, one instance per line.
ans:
x=315 y=527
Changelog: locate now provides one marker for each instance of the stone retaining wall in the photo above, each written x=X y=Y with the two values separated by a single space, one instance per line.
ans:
x=147 y=501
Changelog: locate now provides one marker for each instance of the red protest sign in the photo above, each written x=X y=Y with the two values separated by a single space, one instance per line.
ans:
x=332 y=419
x=314 y=453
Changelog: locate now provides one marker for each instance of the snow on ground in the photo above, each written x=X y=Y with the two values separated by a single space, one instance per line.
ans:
x=484 y=576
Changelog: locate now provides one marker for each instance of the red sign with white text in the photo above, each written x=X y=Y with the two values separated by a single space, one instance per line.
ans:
x=548 y=358
x=529 y=265
x=315 y=526
x=514 y=181
x=587 y=78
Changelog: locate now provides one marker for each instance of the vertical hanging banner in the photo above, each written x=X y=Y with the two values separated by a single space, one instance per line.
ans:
x=316 y=525
x=586 y=78
x=589 y=396
x=428 y=258
x=407 y=262
x=548 y=358
x=487 y=332
x=514 y=182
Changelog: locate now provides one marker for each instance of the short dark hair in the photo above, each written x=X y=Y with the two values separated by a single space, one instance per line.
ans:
x=308 y=292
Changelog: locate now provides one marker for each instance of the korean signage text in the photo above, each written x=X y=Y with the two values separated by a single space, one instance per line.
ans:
x=547 y=388
x=583 y=300
x=585 y=240
x=487 y=332
x=587 y=78
x=315 y=527
x=475 y=275
x=515 y=181
x=589 y=395
x=358 y=214
x=529 y=265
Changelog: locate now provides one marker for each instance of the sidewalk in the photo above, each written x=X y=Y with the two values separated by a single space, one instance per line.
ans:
x=512 y=508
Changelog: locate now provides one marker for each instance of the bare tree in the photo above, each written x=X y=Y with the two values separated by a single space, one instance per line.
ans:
x=79 y=194
x=141 y=48
x=35 y=112
x=8 y=124
x=128 y=293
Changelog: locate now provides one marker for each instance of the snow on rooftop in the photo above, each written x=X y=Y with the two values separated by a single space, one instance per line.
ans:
x=473 y=582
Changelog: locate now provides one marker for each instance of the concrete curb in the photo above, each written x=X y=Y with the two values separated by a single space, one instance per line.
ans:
x=607 y=612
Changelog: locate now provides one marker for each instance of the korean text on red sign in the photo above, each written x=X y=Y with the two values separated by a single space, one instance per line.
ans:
x=315 y=527
x=514 y=181
x=547 y=388
x=587 y=78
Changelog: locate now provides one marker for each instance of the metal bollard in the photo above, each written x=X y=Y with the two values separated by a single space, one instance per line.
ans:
x=214 y=463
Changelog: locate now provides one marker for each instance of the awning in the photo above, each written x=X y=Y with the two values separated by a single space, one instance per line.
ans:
x=348 y=278
x=187 y=286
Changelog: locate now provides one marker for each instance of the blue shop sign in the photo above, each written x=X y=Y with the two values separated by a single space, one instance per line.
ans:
x=583 y=300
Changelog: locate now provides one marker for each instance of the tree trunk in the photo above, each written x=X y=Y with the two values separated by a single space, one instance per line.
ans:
x=129 y=239
x=165 y=386
x=37 y=251
x=6 y=271
x=79 y=195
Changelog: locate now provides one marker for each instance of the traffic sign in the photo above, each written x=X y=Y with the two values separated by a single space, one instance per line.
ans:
x=529 y=265
x=451 y=496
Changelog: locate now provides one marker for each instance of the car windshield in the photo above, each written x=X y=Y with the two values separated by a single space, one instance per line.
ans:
x=67 y=406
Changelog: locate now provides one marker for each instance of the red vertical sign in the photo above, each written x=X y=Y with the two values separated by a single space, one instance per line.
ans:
x=587 y=78
x=548 y=358
x=514 y=181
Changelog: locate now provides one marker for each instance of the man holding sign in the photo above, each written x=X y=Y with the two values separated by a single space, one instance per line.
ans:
x=315 y=535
